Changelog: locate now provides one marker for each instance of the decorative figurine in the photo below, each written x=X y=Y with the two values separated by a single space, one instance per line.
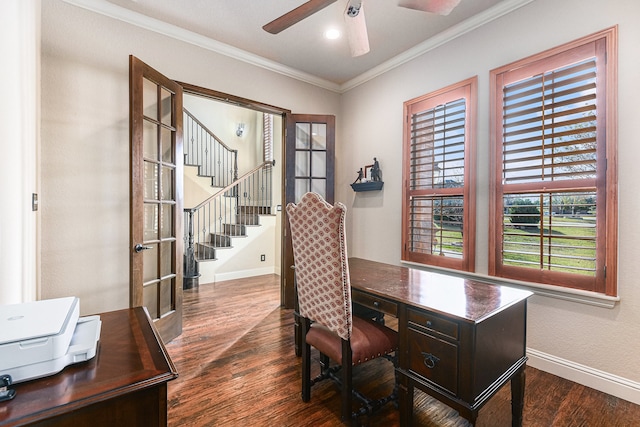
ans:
x=371 y=182
x=375 y=170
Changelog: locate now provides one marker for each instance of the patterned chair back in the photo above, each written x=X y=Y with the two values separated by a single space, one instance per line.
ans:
x=321 y=266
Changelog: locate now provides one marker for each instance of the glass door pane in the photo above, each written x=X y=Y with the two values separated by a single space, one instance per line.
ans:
x=159 y=200
x=311 y=159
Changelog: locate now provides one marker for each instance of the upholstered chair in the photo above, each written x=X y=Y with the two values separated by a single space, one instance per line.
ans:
x=324 y=303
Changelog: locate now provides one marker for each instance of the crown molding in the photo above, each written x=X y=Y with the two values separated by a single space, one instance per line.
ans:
x=439 y=39
x=106 y=8
x=111 y=10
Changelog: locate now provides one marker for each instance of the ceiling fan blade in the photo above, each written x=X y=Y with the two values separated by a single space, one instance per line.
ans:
x=439 y=7
x=296 y=15
x=356 y=28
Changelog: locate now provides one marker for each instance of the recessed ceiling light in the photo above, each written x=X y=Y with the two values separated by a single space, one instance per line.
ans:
x=332 y=34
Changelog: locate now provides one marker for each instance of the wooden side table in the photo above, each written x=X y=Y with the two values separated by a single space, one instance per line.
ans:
x=125 y=384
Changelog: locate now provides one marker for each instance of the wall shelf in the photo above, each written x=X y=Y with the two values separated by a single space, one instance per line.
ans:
x=367 y=186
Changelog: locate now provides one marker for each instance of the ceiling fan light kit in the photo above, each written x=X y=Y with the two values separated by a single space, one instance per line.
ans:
x=356 y=27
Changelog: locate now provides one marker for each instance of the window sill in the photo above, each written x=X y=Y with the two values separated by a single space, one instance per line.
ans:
x=567 y=294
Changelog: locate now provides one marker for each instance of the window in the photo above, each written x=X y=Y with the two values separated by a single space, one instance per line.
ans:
x=553 y=216
x=438 y=215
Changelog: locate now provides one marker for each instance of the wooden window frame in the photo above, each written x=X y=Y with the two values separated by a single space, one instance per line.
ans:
x=604 y=44
x=466 y=89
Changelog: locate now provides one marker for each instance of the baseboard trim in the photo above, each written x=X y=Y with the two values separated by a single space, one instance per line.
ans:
x=603 y=381
x=219 y=277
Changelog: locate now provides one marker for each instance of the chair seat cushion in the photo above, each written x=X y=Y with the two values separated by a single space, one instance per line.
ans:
x=368 y=341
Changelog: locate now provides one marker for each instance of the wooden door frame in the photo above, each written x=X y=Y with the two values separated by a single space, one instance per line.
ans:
x=286 y=287
x=287 y=290
x=238 y=101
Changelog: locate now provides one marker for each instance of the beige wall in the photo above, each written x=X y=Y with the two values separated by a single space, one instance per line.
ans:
x=569 y=334
x=222 y=119
x=85 y=132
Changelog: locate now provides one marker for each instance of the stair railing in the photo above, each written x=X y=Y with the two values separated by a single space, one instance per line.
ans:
x=204 y=149
x=225 y=212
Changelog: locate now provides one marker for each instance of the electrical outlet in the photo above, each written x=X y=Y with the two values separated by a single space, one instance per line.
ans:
x=263 y=257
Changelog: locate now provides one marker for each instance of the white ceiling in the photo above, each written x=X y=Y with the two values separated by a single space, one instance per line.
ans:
x=234 y=27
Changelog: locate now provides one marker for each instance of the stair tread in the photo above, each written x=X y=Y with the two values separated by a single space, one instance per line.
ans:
x=212 y=246
x=206 y=259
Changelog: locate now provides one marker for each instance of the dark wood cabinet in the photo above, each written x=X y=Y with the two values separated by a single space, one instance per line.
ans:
x=460 y=340
x=463 y=363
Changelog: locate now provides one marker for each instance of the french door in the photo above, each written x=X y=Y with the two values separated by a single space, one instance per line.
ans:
x=156 y=197
x=310 y=164
x=157 y=245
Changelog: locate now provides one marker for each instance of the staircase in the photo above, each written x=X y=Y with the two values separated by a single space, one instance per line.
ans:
x=246 y=216
x=235 y=207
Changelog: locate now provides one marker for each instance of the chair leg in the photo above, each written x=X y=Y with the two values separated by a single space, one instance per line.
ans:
x=306 y=360
x=325 y=366
x=394 y=360
x=297 y=335
x=347 y=384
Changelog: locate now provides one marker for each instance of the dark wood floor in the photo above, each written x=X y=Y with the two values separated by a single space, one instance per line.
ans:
x=237 y=368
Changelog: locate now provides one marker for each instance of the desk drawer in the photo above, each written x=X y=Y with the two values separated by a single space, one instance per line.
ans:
x=374 y=302
x=434 y=359
x=434 y=323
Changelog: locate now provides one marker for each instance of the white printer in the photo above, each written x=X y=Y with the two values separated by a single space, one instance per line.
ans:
x=40 y=338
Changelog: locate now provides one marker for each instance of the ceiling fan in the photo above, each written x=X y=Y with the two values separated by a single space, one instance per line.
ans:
x=356 y=27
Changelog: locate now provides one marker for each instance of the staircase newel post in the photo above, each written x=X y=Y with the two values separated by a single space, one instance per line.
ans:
x=191 y=271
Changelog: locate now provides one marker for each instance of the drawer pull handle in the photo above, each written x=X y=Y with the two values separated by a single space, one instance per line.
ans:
x=430 y=360
x=376 y=304
x=429 y=324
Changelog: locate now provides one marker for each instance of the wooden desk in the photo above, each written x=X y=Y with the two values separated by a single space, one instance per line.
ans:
x=125 y=384
x=459 y=340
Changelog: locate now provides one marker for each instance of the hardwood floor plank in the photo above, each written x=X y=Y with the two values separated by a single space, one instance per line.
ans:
x=237 y=367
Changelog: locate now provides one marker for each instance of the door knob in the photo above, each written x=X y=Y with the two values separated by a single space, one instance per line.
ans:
x=140 y=248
